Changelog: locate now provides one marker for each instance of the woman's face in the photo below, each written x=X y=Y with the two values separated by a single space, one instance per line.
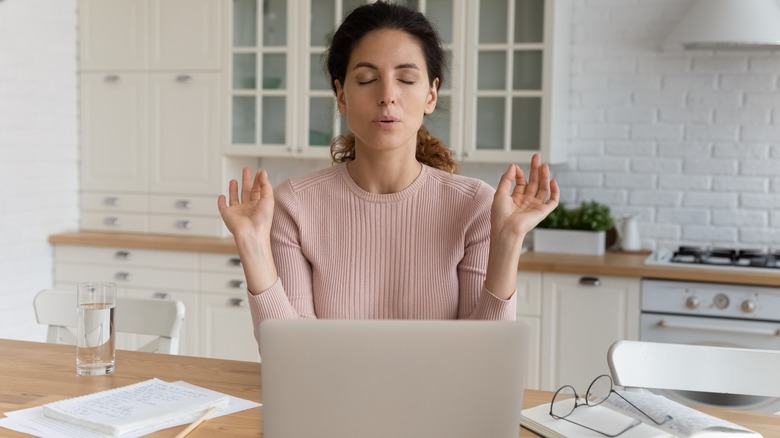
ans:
x=386 y=91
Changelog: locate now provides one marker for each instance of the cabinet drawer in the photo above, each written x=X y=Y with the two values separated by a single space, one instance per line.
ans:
x=121 y=257
x=185 y=225
x=227 y=263
x=116 y=222
x=233 y=284
x=114 y=201
x=183 y=205
x=156 y=279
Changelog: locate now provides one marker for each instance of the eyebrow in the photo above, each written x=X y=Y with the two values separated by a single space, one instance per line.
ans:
x=409 y=65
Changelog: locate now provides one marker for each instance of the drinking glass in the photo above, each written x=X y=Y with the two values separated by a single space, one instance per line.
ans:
x=95 y=354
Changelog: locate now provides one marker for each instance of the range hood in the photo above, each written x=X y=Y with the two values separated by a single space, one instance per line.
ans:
x=728 y=24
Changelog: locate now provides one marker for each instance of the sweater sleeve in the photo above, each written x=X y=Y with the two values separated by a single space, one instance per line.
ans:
x=290 y=297
x=475 y=301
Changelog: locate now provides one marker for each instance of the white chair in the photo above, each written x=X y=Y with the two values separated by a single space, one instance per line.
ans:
x=160 y=318
x=679 y=367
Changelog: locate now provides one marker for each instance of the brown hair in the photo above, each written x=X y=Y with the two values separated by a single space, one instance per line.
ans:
x=381 y=15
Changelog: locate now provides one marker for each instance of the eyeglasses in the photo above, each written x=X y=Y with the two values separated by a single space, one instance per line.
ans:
x=566 y=400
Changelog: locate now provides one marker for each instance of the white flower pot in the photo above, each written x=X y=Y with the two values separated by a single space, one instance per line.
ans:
x=569 y=241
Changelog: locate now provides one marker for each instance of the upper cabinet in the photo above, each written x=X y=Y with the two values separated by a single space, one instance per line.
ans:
x=151 y=108
x=150 y=34
x=505 y=97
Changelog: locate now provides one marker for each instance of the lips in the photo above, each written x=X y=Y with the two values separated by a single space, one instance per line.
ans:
x=387 y=119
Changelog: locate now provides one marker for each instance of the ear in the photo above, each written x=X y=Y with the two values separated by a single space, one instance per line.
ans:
x=341 y=100
x=433 y=96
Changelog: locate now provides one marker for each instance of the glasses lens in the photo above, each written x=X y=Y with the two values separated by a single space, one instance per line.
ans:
x=599 y=390
x=564 y=402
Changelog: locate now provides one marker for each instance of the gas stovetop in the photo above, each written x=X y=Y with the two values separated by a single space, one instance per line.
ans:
x=705 y=257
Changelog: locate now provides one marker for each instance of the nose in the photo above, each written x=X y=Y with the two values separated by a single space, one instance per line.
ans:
x=388 y=93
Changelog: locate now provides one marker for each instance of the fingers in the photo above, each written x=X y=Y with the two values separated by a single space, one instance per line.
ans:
x=533 y=181
x=246 y=185
x=261 y=187
x=512 y=174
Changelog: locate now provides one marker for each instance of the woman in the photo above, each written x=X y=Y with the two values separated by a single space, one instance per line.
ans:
x=389 y=231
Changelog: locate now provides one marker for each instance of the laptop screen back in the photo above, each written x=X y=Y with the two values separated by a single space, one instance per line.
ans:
x=380 y=378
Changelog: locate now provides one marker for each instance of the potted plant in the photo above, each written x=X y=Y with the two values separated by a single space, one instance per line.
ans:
x=580 y=230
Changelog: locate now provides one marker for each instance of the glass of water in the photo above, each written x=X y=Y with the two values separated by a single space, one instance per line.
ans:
x=95 y=354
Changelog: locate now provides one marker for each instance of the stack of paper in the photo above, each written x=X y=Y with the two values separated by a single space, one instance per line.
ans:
x=129 y=408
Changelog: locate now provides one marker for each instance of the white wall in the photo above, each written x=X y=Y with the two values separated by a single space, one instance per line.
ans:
x=38 y=150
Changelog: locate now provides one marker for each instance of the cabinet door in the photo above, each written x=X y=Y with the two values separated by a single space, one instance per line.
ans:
x=185 y=34
x=114 y=132
x=184 y=133
x=516 y=80
x=226 y=328
x=112 y=34
x=581 y=318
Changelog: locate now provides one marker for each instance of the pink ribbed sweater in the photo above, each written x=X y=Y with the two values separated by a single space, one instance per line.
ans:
x=342 y=252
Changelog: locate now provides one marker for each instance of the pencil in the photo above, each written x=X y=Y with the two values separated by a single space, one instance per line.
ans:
x=197 y=422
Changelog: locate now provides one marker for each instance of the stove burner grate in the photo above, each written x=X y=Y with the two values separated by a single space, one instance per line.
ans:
x=727 y=257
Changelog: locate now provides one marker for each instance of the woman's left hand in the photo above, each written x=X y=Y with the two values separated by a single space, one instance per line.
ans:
x=517 y=211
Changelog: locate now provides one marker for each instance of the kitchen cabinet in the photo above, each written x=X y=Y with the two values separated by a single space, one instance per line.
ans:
x=504 y=99
x=138 y=273
x=225 y=321
x=150 y=34
x=581 y=317
x=217 y=323
x=529 y=309
x=151 y=121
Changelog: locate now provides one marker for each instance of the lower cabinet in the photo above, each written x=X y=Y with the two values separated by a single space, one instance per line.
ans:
x=573 y=318
x=529 y=309
x=581 y=317
x=217 y=322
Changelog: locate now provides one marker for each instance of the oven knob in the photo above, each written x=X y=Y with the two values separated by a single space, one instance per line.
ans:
x=692 y=303
x=721 y=301
x=748 y=306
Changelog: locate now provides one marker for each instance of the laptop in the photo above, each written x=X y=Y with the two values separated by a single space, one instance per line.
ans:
x=393 y=378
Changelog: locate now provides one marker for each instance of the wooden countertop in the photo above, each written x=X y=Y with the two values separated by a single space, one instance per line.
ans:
x=632 y=264
x=626 y=264
x=162 y=242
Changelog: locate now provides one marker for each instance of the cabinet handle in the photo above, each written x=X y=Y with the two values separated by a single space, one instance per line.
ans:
x=183 y=78
x=112 y=221
x=185 y=225
x=590 y=281
x=184 y=203
x=123 y=255
x=238 y=284
x=112 y=79
x=237 y=302
x=112 y=200
x=125 y=276
x=165 y=296
x=234 y=261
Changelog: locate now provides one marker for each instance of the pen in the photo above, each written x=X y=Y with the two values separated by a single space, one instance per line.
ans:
x=197 y=422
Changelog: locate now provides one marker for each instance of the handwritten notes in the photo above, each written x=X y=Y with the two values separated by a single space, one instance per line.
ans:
x=129 y=408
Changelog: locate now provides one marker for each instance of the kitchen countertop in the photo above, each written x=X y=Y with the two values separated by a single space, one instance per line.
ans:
x=615 y=263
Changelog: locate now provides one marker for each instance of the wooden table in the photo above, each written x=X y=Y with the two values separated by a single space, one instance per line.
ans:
x=33 y=374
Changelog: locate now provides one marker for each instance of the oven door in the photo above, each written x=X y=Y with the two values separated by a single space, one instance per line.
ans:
x=694 y=330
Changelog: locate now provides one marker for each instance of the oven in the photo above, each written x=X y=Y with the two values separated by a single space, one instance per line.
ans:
x=719 y=314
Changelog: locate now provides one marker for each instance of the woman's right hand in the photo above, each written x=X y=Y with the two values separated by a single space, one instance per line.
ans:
x=251 y=213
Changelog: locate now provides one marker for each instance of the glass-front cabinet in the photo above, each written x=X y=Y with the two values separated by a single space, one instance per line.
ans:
x=504 y=97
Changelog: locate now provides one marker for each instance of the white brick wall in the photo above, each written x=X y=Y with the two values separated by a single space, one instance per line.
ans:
x=38 y=151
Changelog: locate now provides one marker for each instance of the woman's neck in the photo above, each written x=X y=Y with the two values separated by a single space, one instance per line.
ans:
x=383 y=176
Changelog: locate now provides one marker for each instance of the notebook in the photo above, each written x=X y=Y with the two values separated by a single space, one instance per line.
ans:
x=380 y=378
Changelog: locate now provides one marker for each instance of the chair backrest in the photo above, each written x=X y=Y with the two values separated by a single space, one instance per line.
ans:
x=160 y=318
x=725 y=370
